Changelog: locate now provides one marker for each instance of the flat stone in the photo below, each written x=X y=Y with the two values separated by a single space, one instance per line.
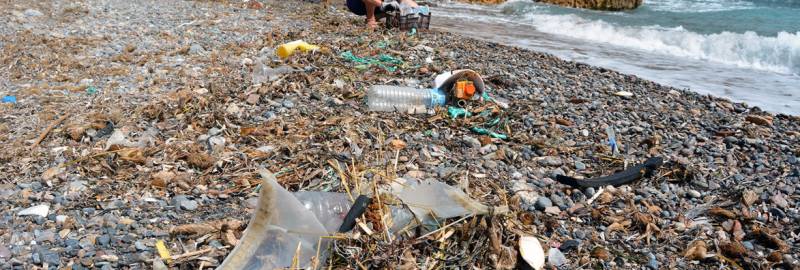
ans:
x=32 y=13
x=4 y=252
x=779 y=200
x=553 y=210
x=471 y=142
x=39 y=210
x=252 y=99
x=550 y=161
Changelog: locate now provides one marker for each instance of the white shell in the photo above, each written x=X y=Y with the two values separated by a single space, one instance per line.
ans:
x=532 y=252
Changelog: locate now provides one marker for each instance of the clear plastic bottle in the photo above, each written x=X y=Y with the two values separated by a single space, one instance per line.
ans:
x=387 y=98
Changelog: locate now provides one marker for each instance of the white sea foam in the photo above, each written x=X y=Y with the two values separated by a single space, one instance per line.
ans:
x=694 y=6
x=748 y=50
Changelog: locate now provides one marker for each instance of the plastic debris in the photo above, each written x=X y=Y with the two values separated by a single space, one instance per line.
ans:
x=288 y=49
x=91 y=90
x=356 y=210
x=448 y=79
x=9 y=99
x=163 y=251
x=556 y=258
x=291 y=228
x=264 y=73
x=384 y=61
x=284 y=229
x=39 y=210
x=456 y=112
x=387 y=98
x=617 y=179
x=612 y=140
x=483 y=131
x=531 y=251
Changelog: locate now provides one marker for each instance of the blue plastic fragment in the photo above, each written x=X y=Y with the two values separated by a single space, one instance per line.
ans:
x=612 y=142
x=9 y=99
x=438 y=97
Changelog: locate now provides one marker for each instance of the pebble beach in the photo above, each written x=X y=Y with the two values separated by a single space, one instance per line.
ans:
x=143 y=124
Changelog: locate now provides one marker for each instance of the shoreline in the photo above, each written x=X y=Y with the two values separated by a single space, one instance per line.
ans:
x=176 y=83
x=768 y=90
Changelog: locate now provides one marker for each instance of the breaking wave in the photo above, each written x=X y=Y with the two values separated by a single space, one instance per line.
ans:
x=780 y=53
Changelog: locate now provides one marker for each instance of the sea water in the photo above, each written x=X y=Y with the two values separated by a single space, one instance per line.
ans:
x=748 y=51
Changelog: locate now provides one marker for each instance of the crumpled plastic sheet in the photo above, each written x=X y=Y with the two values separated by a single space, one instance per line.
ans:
x=291 y=227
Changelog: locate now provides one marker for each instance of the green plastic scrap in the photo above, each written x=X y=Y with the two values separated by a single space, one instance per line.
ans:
x=483 y=131
x=486 y=96
x=456 y=112
x=91 y=90
x=384 y=61
x=494 y=122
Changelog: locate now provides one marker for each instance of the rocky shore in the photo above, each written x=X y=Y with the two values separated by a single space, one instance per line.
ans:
x=138 y=123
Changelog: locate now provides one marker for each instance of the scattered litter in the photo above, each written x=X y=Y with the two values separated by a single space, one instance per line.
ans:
x=288 y=49
x=617 y=179
x=612 y=140
x=387 y=98
x=556 y=258
x=10 y=99
x=456 y=112
x=163 y=251
x=384 y=61
x=290 y=228
x=264 y=73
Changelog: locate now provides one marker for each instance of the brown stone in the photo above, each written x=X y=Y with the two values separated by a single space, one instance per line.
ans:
x=759 y=120
x=733 y=249
x=252 y=99
x=601 y=253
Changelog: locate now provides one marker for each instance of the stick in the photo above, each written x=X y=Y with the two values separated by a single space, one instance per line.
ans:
x=193 y=253
x=594 y=197
x=48 y=129
x=444 y=227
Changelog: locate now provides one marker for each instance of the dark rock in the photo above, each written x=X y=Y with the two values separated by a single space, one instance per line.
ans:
x=569 y=245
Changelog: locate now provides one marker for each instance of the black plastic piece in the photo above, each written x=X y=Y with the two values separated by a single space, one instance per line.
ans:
x=358 y=208
x=631 y=174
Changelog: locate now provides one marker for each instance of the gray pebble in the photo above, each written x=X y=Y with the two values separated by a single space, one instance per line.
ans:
x=589 y=192
x=542 y=203
x=551 y=161
x=579 y=166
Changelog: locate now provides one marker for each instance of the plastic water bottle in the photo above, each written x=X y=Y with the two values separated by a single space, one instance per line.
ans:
x=387 y=98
